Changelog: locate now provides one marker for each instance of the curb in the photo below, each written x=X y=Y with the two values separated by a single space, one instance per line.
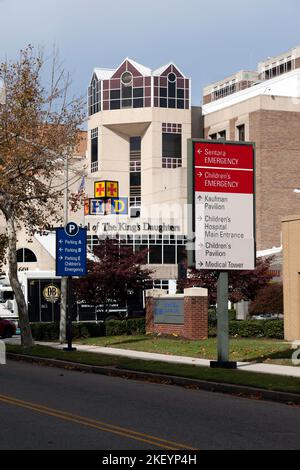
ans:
x=232 y=389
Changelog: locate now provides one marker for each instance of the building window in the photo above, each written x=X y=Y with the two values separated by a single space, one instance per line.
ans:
x=126 y=90
x=171 y=145
x=171 y=90
x=222 y=135
x=241 y=132
x=224 y=90
x=213 y=136
x=135 y=172
x=94 y=96
x=275 y=69
x=162 y=249
x=155 y=254
x=94 y=150
x=169 y=254
x=24 y=255
x=158 y=284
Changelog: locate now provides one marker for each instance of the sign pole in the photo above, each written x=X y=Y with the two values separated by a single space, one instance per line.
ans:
x=222 y=324
x=222 y=316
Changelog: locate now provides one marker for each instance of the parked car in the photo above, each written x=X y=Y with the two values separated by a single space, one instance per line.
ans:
x=7 y=328
x=268 y=316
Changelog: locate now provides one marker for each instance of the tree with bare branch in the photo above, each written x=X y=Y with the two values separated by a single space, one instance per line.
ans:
x=38 y=132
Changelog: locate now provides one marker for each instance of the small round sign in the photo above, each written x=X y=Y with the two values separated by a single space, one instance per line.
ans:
x=51 y=293
x=71 y=229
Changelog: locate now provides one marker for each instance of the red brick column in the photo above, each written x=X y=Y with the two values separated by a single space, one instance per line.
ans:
x=149 y=315
x=195 y=313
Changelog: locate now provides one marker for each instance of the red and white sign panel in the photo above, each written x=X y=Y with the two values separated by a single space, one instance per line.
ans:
x=224 y=206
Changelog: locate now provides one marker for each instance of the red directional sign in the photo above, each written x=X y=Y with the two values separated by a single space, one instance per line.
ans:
x=224 y=205
x=224 y=181
x=223 y=155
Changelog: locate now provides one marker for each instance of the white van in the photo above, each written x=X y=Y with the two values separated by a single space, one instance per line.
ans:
x=8 y=304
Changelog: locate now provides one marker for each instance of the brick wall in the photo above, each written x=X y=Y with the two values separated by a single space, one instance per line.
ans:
x=277 y=137
x=207 y=99
x=195 y=317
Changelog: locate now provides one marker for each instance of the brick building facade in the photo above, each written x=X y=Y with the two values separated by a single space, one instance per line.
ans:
x=267 y=114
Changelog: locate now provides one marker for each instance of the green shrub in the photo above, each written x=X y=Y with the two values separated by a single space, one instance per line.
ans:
x=212 y=330
x=274 y=329
x=125 y=327
x=253 y=329
x=246 y=329
x=50 y=331
x=45 y=331
x=136 y=326
x=232 y=315
x=116 y=327
x=212 y=316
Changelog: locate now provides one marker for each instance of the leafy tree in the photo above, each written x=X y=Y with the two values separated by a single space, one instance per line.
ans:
x=112 y=273
x=242 y=285
x=38 y=132
x=268 y=300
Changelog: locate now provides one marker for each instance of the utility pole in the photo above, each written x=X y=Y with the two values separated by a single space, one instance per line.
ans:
x=64 y=279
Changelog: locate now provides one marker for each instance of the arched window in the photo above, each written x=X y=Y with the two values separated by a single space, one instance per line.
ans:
x=126 y=89
x=24 y=255
x=171 y=89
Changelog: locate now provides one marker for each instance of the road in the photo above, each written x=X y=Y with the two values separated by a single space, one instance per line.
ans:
x=50 y=408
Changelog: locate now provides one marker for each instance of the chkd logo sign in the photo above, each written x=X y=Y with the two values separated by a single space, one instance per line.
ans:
x=51 y=293
x=110 y=206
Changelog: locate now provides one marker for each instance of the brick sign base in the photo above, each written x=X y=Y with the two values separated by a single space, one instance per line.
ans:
x=195 y=306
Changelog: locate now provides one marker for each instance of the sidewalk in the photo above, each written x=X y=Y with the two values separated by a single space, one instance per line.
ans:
x=290 y=371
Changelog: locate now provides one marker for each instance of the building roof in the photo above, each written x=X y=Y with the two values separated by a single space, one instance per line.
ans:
x=106 y=74
x=285 y=85
x=161 y=69
x=141 y=68
x=291 y=53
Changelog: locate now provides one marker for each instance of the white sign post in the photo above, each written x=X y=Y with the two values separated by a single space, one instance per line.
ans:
x=224 y=220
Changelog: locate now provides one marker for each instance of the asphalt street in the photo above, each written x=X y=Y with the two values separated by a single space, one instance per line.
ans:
x=49 y=408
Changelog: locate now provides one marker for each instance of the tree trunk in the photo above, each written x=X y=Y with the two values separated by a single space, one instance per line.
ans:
x=26 y=336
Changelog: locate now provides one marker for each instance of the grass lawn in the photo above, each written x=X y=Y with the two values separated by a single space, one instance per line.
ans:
x=241 y=349
x=238 y=377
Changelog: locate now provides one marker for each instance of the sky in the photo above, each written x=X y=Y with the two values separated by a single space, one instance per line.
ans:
x=207 y=39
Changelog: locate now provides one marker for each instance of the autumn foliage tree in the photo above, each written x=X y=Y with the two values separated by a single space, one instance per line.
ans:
x=242 y=285
x=268 y=300
x=38 y=132
x=113 y=272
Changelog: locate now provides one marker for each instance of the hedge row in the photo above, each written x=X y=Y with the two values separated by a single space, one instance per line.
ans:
x=253 y=329
x=133 y=326
x=50 y=331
